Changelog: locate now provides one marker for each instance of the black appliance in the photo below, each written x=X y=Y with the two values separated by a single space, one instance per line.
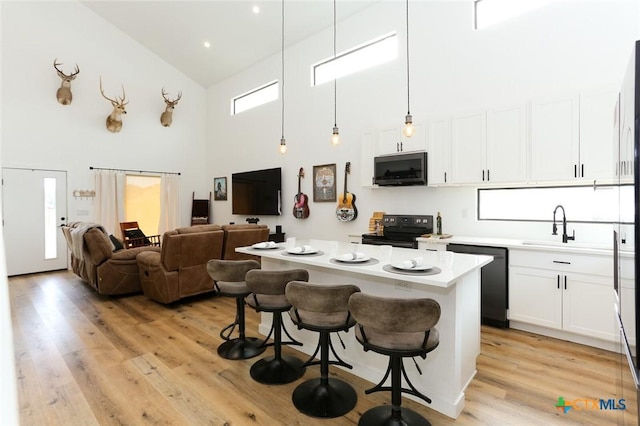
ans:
x=400 y=169
x=400 y=230
x=494 y=278
x=256 y=192
x=627 y=143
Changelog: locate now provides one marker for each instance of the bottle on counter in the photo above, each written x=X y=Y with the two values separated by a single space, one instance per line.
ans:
x=438 y=224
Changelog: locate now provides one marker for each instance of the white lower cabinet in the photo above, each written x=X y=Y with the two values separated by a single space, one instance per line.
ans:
x=571 y=293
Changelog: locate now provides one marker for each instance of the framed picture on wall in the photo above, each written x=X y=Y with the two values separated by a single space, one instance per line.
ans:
x=324 y=183
x=220 y=189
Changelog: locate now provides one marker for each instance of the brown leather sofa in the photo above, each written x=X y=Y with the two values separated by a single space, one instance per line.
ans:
x=242 y=235
x=180 y=269
x=95 y=259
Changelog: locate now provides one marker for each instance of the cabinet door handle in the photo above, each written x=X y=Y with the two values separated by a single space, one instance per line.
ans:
x=397 y=146
x=558 y=277
x=483 y=175
x=565 y=282
x=582 y=170
x=575 y=170
x=564 y=262
x=445 y=177
x=488 y=179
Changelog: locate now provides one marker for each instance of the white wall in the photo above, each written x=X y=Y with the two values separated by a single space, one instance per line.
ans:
x=569 y=46
x=38 y=132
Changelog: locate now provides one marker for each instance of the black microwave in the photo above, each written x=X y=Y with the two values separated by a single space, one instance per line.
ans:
x=400 y=169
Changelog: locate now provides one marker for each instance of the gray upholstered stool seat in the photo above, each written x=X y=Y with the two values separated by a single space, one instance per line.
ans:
x=229 y=280
x=325 y=309
x=267 y=295
x=397 y=328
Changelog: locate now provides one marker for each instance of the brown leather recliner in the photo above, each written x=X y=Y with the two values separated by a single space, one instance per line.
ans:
x=180 y=269
x=242 y=235
x=94 y=260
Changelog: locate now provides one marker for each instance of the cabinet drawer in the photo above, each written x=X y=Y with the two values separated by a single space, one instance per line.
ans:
x=564 y=262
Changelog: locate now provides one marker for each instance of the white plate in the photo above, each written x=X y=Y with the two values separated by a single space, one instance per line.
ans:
x=258 y=246
x=362 y=259
x=302 y=253
x=401 y=266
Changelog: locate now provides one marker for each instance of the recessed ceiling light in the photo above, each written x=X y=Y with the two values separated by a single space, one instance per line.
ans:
x=255 y=9
x=207 y=44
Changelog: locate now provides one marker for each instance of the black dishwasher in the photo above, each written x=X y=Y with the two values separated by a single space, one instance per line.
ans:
x=494 y=283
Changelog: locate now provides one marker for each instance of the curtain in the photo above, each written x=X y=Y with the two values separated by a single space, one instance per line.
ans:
x=109 y=209
x=169 y=203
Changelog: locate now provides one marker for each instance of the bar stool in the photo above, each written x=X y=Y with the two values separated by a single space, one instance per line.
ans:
x=267 y=295
x=228 y=278
x=397 y=328
x=325 y=309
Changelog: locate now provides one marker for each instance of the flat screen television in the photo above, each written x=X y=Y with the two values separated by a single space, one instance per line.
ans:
x=256 y=192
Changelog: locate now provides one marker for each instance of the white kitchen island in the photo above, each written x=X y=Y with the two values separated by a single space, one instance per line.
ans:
x=450 y=367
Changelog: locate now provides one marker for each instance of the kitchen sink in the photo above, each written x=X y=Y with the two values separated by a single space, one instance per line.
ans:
x=568 y=245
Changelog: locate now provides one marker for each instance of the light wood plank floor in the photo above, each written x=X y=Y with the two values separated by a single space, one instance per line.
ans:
x=85 y=359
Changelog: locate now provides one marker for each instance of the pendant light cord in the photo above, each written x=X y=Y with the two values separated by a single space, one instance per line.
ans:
x=335 y=90
x=282 y=69
x=408 y=102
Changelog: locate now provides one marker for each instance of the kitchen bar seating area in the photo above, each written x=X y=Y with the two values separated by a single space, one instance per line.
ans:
x=88 y=359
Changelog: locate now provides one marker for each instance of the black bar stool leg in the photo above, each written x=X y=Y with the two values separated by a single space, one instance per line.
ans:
x=324 y=397
x=277 y=369
x=242 y=347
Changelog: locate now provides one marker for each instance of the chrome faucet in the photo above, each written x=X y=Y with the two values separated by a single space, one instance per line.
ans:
x=565 y=237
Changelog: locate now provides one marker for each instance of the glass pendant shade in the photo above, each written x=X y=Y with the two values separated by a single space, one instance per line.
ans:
x=408 y=126
x=335 y=137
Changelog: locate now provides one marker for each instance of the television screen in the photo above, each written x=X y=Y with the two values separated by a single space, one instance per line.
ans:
x=256 y=192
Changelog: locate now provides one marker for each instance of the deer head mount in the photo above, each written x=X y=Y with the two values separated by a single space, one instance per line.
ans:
x=167 y=115
x=64 y=92
x=114 y=121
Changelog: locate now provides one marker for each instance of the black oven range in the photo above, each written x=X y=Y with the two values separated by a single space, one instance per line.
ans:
x=400 y=230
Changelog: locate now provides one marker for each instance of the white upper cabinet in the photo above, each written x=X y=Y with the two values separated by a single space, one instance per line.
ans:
x=490 y=147
x=438 y=157
x=468 y=144
x=554 y=139
x=506 y=153
x=392 y=141
x=597 y=121
x=571 y=138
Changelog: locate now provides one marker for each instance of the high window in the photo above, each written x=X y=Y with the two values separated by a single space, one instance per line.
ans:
x=374 y=52
x=256 y=97
x=489 y=12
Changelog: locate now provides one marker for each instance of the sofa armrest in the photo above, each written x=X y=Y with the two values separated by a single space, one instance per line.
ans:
x=130 y=254
x=148 y=258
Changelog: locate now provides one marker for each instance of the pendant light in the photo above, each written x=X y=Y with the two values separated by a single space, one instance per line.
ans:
x=335 y=136
x=408 y=120
x=283 y=142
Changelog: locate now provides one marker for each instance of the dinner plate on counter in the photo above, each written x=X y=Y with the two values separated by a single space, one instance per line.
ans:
x=403 y=267
x=359 y=260
x=263 y=246
x=301 y=253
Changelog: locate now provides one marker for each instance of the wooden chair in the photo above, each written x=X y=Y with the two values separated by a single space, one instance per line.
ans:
x=132 y=236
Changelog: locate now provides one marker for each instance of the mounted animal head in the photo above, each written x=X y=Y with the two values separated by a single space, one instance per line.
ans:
x=114 y=120
x=167 y=116
x=64 y=92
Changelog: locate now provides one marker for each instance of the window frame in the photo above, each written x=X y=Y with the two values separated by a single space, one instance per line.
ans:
x=253 y=92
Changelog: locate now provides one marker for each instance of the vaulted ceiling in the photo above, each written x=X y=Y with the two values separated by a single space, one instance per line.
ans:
x=177 y=30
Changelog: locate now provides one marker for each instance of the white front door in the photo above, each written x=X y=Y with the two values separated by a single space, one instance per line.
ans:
x=34 y=205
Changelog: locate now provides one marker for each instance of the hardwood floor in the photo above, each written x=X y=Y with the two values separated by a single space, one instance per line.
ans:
x=85 y=359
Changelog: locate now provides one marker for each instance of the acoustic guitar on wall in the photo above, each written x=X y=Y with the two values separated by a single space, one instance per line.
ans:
x=346 y=210
x=300 y=206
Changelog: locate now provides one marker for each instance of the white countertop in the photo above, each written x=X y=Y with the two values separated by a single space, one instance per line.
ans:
x=535 y=245
x=453 y=265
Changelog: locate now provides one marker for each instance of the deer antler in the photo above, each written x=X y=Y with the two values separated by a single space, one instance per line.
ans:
x=62 y=74
x=173 y=102
x=114 y=102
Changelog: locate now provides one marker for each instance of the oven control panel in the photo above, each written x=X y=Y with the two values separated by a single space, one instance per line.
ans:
x=420 y=221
